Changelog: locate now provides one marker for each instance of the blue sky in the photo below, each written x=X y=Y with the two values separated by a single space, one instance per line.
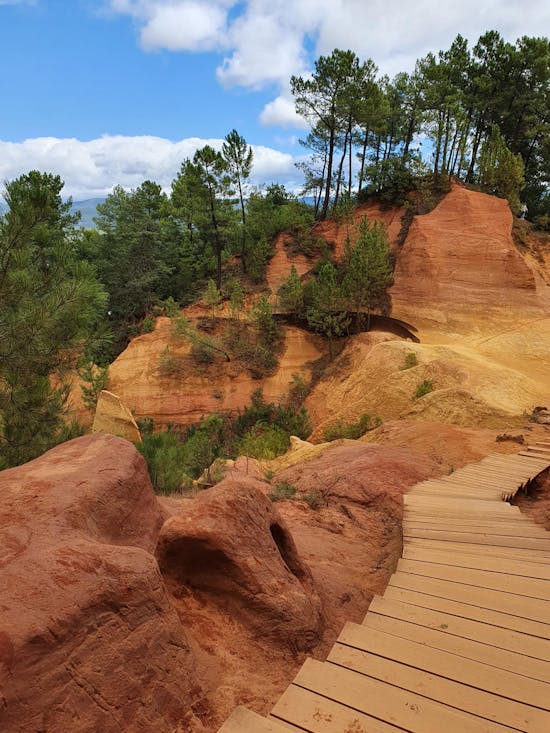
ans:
x=71 y=69
x=116 y=91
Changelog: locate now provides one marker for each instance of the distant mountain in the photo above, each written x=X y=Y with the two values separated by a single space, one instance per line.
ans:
x=87 y=210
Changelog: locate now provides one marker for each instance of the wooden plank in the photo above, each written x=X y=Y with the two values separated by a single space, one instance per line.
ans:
x=467 y=505
x=312 y=712
x=506 y=685
x=383 y=701
x=516 y=469
x=525 y=654
x=503 y=527
x=245 y=721
x=514 y=553
x=479 y=562
x=535 y=542
x=411 y=528
x=478 y=526
x=509 y=458
x=421 y=515
x=491 y=600
x=465 y=610
x=486 y=479
x=515 y=584
x=460 y=485
x=535 y=460
x=449 y=504
x=458 y=493
x=441 y=512
x=440 y=689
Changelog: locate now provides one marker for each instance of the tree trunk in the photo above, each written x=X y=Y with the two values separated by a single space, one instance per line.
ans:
x=350 y=138
x=329 y=171
x=438 y=143
x=363 y=156
x=217 y=241
x=340 y=169
x=243 y=218
x=475 y=147
x=444 y=163
x=410 y=130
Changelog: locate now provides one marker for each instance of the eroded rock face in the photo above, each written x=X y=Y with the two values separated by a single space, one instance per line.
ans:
x=187 y=397
x=461 y=255
x=231 y=544
x=113 y=417
x=89 y=640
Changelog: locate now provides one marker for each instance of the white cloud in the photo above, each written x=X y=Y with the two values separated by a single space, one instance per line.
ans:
x=265 y=41
x=91 y=168
x=281 y=113
x=178 y=25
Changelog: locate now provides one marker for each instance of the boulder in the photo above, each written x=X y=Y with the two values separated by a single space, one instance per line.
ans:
x=112 y=416
x=89 y=640
x=231 y=545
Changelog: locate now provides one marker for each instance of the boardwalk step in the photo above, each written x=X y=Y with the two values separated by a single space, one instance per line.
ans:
x=245 y=721
x=500 y=647
x=460 y=640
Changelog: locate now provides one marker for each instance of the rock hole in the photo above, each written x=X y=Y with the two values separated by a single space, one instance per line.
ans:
x=287 y=550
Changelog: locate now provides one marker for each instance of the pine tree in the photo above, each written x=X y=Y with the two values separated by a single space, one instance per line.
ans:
x=326 y=312
x=500 y=171
x=368 y=271
x=49 y=304
x=239 y=157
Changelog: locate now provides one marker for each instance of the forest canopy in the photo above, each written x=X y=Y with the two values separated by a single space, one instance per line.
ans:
x=369 y=134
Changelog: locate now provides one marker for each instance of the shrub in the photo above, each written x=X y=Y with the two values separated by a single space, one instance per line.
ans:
x=314 y=499
x=94 y=379
x=148 y=325
x=170 y=364
x=264 y=441
x=283 y=491
x=165 y=456
x=542 y=222
x=423 y=388
x=297 y=390
x=353 y=430
x=411 y=361
x=145 y=425
x=170 y=307
x=202 y=353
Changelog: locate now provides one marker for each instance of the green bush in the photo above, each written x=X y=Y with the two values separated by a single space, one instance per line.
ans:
x=202 y=353
x=171 y=308
x=423 y=388
x=165 y=456
x=352 y=430
x=264 y=442
x=148 y=325
x=283 y=491
x=411 y=361
x=261 y=431
x=298 y=390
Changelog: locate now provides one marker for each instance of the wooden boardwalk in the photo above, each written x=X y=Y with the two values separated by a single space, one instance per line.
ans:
x=460 y=640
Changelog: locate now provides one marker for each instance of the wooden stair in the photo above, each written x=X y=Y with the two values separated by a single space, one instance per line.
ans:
x=460 y=640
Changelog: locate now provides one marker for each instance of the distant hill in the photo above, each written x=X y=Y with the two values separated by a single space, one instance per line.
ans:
x=87 y=210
